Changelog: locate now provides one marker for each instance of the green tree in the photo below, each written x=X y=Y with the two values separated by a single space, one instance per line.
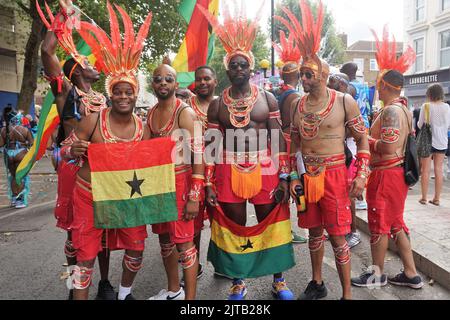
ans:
x=260 y=50
x=333 y=49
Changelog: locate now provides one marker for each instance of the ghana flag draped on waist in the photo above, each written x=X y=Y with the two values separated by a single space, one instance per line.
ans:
x=133 y=184
x=251 y=252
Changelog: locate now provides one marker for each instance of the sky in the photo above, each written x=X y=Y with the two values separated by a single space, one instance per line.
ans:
x=354 y=17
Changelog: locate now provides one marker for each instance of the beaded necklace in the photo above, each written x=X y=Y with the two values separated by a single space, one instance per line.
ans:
x=90 y=101
x=195 y=104
x=106 y=131
x=168 y=127
x=311 y=121
x=240 y=108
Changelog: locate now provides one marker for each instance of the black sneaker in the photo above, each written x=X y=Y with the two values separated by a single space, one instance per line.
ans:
x=130 y=297
x=199 y=274
x=369 y=280
x=105 y=291
x=402 y=280
x=314 y=291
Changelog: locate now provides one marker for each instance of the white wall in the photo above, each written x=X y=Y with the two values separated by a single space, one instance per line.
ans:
x=435 y=22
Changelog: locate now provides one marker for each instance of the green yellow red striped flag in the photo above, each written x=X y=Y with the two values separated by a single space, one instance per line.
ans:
x=251 y=252
x=133 y=184
x=198 y=45
x=48 y=121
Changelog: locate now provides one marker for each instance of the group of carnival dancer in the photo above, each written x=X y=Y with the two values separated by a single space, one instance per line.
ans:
x=313 y=126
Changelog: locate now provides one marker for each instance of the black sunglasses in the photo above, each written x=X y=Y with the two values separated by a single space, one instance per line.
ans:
x=243 y=65
x=308 y=75
x=159 y=79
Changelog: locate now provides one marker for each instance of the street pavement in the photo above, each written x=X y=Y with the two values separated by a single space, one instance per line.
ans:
x=32 y=259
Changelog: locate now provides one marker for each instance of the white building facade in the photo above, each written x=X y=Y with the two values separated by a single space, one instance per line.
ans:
x=427 y=30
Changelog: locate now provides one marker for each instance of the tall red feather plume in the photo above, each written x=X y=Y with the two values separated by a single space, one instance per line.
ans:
x=288 y=49
x=117 y=58
x=308 y=33
x=387 y=54
x=237 y=34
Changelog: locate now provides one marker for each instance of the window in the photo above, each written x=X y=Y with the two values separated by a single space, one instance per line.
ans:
x=360 y=63
x=445 y=48
x=6 y=20
x=8 y=64
x=419 y=48
x=445 y=4
x=373 y=65
x=420 y=10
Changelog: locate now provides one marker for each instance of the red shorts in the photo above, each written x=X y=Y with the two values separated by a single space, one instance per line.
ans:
x=180 y=231
x=225 y=192
x=88 y=240
x=333 y=210
x=386 y=196
x=67 y=174
x=351 y=172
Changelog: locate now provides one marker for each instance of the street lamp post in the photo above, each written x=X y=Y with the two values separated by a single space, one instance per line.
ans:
x=272 y=13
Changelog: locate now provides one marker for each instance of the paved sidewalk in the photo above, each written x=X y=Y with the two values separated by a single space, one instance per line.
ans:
x=430 y=232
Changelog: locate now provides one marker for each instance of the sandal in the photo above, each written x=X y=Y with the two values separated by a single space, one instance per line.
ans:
x=423 y=201
x=435 y=203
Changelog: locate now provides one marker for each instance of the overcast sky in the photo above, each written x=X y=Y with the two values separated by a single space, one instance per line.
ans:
x=354 y=17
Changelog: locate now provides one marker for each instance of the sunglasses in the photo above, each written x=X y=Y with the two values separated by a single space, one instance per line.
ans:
x=159 y=79
x=235 y=65
x=307 y=74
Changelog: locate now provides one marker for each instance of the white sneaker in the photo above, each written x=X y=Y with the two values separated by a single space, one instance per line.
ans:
x=168 y=295
x=20 y=205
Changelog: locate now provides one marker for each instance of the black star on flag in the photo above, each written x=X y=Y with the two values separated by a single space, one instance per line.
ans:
x=135 y=185
x=249 y=245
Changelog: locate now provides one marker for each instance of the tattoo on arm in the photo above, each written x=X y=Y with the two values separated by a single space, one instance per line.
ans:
x=390 y=127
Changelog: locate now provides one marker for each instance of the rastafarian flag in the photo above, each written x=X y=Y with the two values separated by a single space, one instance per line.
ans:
x=133 y=184
x=251 y=252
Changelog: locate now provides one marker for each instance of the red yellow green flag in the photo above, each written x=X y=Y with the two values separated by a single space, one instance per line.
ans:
x=198 y=45
x=48 y=121
x=133 y=184
x=251 y=252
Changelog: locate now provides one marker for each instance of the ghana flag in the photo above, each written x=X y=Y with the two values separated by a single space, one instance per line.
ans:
x=133 y=184
x=48 y=121
x=198 y=45
x=251 y=252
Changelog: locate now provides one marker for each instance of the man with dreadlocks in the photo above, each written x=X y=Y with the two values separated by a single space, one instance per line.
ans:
x=319 y=129
x=250 y=174
x=74 y=99
x=16 y=139
x=387 y=189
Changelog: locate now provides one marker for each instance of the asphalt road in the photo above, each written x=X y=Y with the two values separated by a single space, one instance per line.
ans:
x=32 y=258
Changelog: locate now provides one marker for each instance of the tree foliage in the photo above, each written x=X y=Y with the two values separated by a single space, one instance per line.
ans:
x=260 y=51
x=332 y=47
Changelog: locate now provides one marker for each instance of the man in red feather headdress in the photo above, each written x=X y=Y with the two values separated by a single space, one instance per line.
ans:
x=319 y=129
x=119 y=60
x=75 y=100
x=248 y=175
x=387 y=189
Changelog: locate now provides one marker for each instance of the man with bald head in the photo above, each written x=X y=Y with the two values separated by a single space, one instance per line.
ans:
x=319 y=125
x=171 y=117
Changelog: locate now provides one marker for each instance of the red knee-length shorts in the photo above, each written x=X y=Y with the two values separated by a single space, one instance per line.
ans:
x=67 y=174
x=88 y=240
x=333 y=211
x=386 y=196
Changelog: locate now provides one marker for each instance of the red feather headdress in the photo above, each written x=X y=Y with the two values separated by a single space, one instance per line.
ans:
x=288 y=49
x=118 y=59
x=387 y=55
x=62 y=26
x=308 y=34
x=237 y=33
